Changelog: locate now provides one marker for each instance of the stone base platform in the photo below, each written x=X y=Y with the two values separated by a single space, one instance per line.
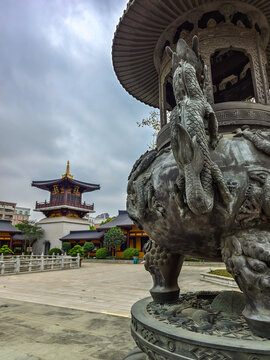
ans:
x=191 y=330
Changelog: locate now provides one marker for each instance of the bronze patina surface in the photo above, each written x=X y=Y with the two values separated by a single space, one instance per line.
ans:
x=202 y=192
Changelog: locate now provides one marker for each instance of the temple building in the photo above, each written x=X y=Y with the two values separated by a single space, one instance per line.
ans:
x=136 y=238
x=9 y=235
x=83 y=236
x=64 y=212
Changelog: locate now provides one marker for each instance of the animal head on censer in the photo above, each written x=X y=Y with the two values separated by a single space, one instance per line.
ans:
x=247 y=257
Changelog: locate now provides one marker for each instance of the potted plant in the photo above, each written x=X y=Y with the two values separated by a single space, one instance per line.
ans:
x=6 y=250
x=88 y=247
x=77 y=249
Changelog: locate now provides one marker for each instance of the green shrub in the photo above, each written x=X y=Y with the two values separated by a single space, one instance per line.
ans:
x=130 y=252
x=102 y=253
x=17 y=249
x=55 y=251
x=77 y=249
x=114 y=238
x=220 y=272
x=88 y=247
x=6 y=250
x=187 y=258
x=66 y=246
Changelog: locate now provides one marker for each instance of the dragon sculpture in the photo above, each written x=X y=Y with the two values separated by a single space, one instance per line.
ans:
x=189 y=141
x=205 y=196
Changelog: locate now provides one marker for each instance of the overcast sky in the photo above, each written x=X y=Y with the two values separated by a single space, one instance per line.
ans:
x=60 y=100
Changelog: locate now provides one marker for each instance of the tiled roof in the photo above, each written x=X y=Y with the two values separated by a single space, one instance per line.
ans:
x=83 y=235
x=5 y=226
x=47 y=184
x=121 y=220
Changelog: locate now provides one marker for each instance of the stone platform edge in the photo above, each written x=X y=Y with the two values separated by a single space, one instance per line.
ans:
x=218 y=279
x=140 y=261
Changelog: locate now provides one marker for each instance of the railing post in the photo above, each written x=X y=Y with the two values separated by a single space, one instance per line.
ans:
x=53 y=256
x=62 y=262
x=78 y=260
x=17 y=265
x=42 y=262
x=2 y=268
x=2 y=257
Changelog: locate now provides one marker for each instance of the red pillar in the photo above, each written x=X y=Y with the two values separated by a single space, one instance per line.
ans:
x=10 y=243
x=128 y=239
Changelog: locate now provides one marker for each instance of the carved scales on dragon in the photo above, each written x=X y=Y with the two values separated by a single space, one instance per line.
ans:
x=189 y=141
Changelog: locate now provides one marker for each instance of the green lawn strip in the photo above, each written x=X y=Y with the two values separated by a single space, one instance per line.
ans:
x=220 y=272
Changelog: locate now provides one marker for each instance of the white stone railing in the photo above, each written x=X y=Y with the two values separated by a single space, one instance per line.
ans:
x=36 y=263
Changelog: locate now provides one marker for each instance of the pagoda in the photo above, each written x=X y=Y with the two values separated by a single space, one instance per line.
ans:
x=65 y=211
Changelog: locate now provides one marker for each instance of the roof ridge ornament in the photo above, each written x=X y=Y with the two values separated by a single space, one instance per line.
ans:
x=67 y=174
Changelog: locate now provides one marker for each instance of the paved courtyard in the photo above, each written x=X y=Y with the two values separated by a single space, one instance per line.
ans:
x=44 y=320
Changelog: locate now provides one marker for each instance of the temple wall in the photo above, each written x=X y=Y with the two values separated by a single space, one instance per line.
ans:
x=56 y=228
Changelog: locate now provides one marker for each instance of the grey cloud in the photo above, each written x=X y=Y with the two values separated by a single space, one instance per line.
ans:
x=60 y=100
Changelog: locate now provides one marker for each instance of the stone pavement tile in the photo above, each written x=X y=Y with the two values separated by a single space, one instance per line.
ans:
x=109 y=288
x=41 y=332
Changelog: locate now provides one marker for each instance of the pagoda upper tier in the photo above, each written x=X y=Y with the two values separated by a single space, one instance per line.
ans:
x=65 y=196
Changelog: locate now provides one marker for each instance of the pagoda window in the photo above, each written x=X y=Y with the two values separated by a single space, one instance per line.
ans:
x=73 y=198
x=210 y=16
x=187 y=26
x=57 y=198
x=231 y=76
x=170 y=99
x=242 y=18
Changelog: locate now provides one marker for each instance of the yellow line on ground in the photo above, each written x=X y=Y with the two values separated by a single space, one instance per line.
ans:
x=108 y=313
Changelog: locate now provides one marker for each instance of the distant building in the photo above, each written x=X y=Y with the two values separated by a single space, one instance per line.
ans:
x=15 y=214
x=7 y=210
x=21 y=214
x=136 y=238
x=81 y=237
x=97 y=220
x=64 y=212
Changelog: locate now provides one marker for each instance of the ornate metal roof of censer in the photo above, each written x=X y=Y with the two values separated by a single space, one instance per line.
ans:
x=146 y=27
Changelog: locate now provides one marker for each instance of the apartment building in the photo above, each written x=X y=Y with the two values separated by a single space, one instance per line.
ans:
x=15 y=214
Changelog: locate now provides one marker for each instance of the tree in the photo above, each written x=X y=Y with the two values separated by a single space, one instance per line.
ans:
x=77 y=249
x=88 y=247
x=151 y=121
x=6 y=250
x=102 y=253
x=92 y=227
x=114 y=238
x=107 y=220
x=31 y=232
x=55 y=251
x=66 y=246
